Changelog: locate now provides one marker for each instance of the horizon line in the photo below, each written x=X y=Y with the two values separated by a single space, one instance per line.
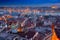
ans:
x=37 y=5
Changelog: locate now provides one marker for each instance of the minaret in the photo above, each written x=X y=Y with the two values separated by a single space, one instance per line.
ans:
x=54 y=36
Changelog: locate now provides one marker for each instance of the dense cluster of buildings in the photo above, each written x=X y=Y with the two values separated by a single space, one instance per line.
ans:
x=27 y=23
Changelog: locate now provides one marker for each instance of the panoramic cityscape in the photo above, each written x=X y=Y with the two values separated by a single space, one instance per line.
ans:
x=29 y=20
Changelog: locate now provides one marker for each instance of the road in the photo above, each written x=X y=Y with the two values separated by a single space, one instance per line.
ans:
x=48 y=37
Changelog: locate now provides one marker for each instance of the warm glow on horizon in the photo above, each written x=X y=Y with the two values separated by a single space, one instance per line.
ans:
x=54 y=7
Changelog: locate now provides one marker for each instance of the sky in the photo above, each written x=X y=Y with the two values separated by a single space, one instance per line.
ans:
x=28 y=2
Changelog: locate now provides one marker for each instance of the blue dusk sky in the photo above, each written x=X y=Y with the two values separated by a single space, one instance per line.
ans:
x=28 y=2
